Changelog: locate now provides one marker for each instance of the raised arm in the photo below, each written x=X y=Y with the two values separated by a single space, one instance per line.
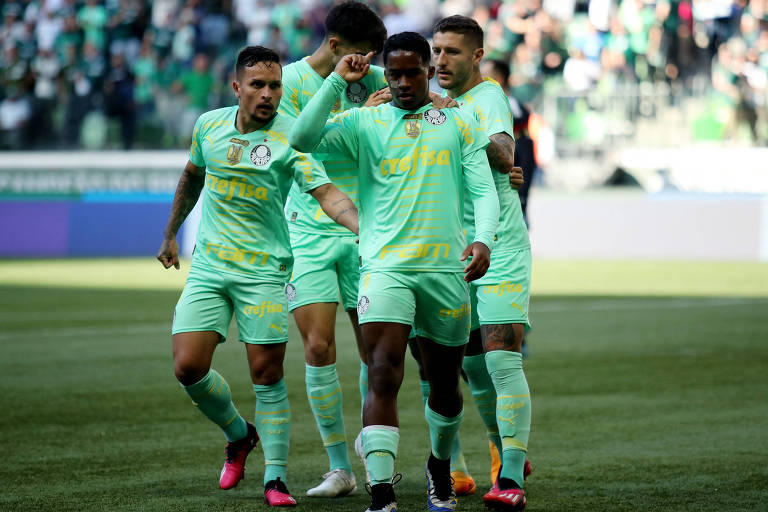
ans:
x=337 y=205
x=310 y=127
x=187 y=193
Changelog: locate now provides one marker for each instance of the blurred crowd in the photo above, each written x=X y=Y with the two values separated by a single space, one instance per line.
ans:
x=137 y=72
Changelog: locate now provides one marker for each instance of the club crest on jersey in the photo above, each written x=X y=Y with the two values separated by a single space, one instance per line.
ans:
x=434 y=116
x=362 y=305
x=290 y=292
x=261 y=155
x=234 y=154
x=357 y=92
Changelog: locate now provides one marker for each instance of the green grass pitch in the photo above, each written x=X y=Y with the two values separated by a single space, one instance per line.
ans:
x=649 y=383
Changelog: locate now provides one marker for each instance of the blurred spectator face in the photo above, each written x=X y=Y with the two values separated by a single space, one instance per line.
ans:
x=454 y=58
x=259 y=89
x=200 y=63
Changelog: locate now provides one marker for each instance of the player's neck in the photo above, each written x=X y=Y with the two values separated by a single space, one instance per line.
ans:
x=475 y=79
x=244 y=125
x=321 y=61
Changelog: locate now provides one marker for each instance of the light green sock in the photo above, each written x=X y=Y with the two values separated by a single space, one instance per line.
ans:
x=380 y=447
x=457 y=457
x=484 y=394
x=325 y=400
x=273 y=423
x=212 y=396
x=442 y=431
x=424 y=385
x=362 y=382
x=513 y=410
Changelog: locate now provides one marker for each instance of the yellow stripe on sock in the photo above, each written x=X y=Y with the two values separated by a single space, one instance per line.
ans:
x=273 y=412
x=509 y=443
x=325 y=396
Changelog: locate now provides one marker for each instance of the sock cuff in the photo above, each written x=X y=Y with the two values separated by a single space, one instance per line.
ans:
x=201 y=387
x=276 y=392
x=503 y=360
x=319 y=375
x=472 y=364
x=381 y=438
x=440 y=420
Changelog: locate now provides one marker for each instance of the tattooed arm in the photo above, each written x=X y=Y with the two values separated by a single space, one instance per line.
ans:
x=501 y=157
x=187 y=193
x=337 y=205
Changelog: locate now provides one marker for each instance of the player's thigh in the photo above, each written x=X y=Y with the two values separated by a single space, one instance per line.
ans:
x=503 y=295
x=204 y=305
x=260 y=310
x=443 y=308
x=386 y=297
x=314 y=276
x=348 y=271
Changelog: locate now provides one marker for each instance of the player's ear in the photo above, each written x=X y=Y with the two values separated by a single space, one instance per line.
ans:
x=431 y=72
x=236 y=88
x=333 y=43
x=478 y=55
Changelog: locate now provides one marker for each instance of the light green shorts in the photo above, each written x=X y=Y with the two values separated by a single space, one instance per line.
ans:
x=503 y=293
x=324 y=269
x=210 y=297
x=436 y=304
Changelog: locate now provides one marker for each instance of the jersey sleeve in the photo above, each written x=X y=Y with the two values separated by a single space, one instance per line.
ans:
x=478 y=181
x=308 y=173
x=290 y=103
x=314 y=133
x=196 y=147
x=498 y=115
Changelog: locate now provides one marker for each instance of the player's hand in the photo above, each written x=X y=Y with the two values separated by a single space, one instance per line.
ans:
x=354 y=67
x=516 y=179
x=481 y=260
x=383 y=95
x=168 y=254
x=442 y=101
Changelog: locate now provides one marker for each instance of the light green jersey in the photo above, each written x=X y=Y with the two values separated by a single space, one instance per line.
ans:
x=247 y=178
x=490 y=106
x=300 y=83
x=414 y=169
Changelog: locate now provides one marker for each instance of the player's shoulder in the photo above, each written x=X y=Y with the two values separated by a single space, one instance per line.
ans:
x=217 y=117
x=457 y=114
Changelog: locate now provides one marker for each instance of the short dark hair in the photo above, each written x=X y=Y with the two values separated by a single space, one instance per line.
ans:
x=409 y=42
x=461 y=25
x=355 y=22
x=251 y=55
x=500 y=67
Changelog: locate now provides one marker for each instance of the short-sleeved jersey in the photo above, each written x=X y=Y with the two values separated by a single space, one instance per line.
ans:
x=490 y=106
x=247 y=179
x=300 y=83
x=414 y=169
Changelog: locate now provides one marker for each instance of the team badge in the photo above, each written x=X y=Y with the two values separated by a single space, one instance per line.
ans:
x=362 y=305
x=260 y=155
x=434 y=116
x=234 y=154
x=412 y=125
x=290 y=292
x=357 y=92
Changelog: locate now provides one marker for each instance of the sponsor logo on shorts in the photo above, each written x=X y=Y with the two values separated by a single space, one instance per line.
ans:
x=265 y=308
x=456 y=313
x=261 y=155
x=502 y=288
x=416 y=251
x=290 y=292
x=434 y=116
x=362 y=305
x=357 y=92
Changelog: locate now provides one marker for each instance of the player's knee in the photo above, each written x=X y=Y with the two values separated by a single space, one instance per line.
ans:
x=385 y=376
x=318 y=350
x=266 y=375
x=188 y=371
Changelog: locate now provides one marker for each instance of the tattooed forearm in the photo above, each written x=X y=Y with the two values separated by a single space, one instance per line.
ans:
x=501 y=152
x=502 y=336
x=337 y=205
x=187 y=193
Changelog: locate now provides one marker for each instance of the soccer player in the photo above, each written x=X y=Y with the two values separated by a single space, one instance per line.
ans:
x=326 y=264
x=241 y=161
x=493 y=362
x=415 y=165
